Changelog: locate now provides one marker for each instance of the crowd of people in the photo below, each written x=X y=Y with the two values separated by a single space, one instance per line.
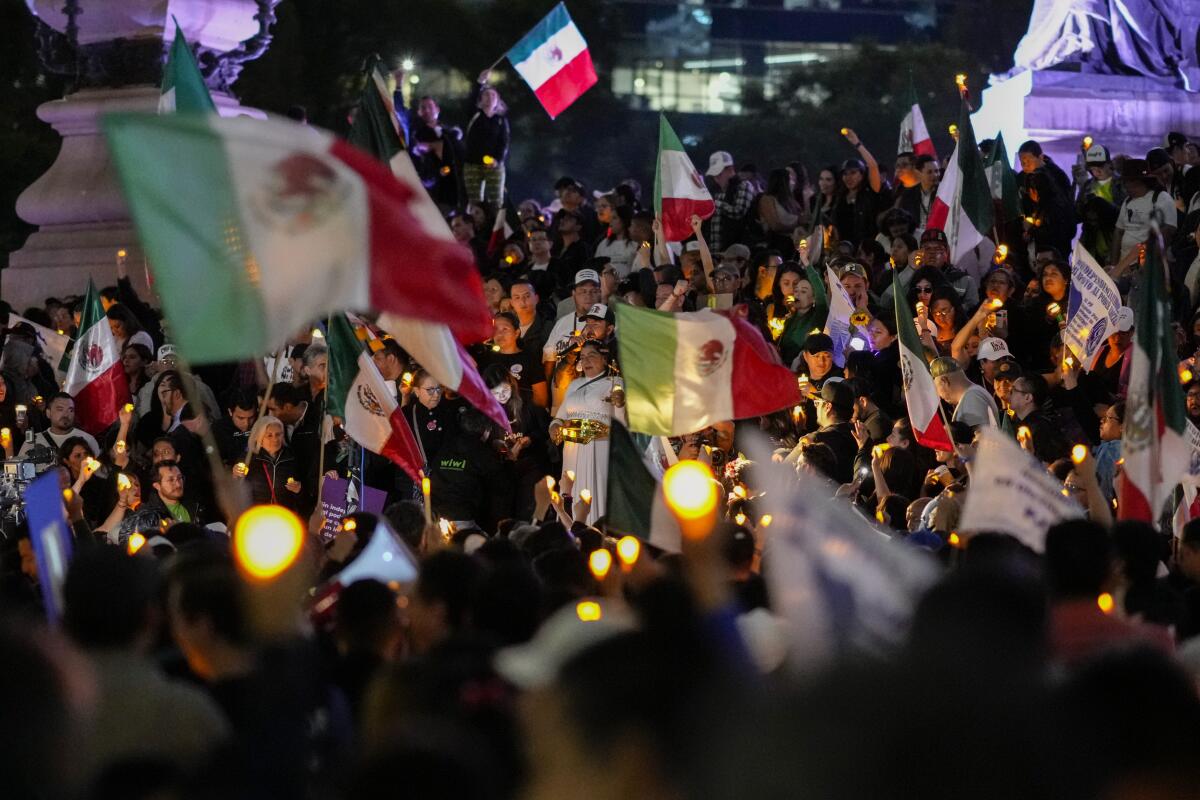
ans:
x=539 y=652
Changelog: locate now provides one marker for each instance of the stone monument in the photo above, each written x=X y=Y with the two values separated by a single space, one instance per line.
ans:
x=1124 y=72
x=114 y=50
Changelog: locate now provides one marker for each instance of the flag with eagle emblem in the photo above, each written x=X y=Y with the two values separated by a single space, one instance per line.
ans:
x=95 y=377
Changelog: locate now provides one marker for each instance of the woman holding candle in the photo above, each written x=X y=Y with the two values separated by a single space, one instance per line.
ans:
x=583 y=422
x=273 y=472
x=526 y=449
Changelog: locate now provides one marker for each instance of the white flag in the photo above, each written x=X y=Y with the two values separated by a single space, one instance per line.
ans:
x=1011 y=492
x=53 y=343
x=1092 y=307
x=841 y=584
x=837 y=324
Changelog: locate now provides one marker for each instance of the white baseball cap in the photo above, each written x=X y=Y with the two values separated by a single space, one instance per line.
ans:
x=585 y=275
x=1124 y=319
x=717 y=162
x=993 y=349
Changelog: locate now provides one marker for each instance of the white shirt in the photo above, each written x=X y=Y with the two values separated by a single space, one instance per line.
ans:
x=40 y=440
x=563 y=328
x=1134 y=218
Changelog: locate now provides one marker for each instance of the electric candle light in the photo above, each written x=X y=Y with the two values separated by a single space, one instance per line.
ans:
x=628 y=550
x=739 y=491
x=123 y=482
x=953 y=130
x=550 y=482
x=845 y=131
x=120 y=446
x=960 y=80
x=1087 y=142
x=571 y=475
x=691 y=495
x=350 y=525
x=406 y=379
x=488 y=161
x=1078 y=453
x=1001 y=252
x=740 y=519
x=425 y=496
x=135 y=542
x=588 y=611
x=600 y=562
x=6 y=436
x=765 y=521
x=586 y=496
x=267 y=540
x=879 y=450
x=1105 y=602
x=1024 y=434
x=129 y=408
x=1185 y=375
x=241 y=468
x=955 y=540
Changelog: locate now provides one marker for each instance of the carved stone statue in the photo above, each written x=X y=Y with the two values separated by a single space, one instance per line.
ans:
x=1151 y=38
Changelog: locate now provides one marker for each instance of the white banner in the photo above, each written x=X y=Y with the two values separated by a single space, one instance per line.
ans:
x=1092 y=307
x=1012 y=492
x=54 y=344
x=837 y=324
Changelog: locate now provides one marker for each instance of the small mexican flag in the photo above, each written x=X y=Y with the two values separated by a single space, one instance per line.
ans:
x=1003 y=180
x=375 y=128
x=183 y=86
x=693 y=369
x=360 y=396
x=919 y=393
x=963 y=206
x=95 y=377
x=914 y=136
x=1154 y=445
x=279 y=224
x=679 y=191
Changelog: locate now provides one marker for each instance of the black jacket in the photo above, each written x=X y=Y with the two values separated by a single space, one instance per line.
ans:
x=231 y=443
x=268 y=479
x=487 y=136
x=841 y=441
x=469 y=481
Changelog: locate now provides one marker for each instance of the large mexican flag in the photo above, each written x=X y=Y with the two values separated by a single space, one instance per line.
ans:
x=963 y=206
x=256 y=227
x=679 y=191
x=1154 y=444
x=95 y=377
x=688 y=370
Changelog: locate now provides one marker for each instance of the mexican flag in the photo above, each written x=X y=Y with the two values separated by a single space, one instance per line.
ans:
x=1003 y=181
x=376 y=128
x=693 y=369
x=963 y=206
x=1154 y=445
x=914 y=136
x=635 y=505
x=183 y=86
x=279 y=224
x=679 y=190
x=95 y=377
x=919 y=395
x=359 y=395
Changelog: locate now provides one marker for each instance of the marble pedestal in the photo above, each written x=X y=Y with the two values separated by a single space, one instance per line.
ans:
x=77 y=205
x=1128 y=115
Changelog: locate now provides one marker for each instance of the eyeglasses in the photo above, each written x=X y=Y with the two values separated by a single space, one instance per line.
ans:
x=431 y=389
x=943 y=312
x=924 y=290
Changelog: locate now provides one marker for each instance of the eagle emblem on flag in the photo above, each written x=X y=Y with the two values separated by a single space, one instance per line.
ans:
x=368 y=401
x=301 y=191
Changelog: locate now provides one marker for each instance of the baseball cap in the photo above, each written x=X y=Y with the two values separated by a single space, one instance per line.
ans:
x=1097 y=154
x=818 y=343
x=585 y=275
x=563 y=636
x=725 y=266
x=1157 y=157
x=717 y=162
x=853 y=268
x=567 y=182
x=600 y=311
x=736 y=251
x=993 y=349
x=1175 y=139
x=1007 y=369
x=935 y=235
x=166 y=351
x=1124 y=319
x=944 y=365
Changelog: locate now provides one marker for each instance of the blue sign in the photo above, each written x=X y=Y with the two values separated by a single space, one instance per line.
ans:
x=51 y=538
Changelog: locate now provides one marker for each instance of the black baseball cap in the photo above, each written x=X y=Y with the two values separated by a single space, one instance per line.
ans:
x=818 y=343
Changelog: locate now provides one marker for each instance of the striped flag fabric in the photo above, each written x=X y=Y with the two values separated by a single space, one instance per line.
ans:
x=442 y=356
x=634 y=504
x=183 y=87
x=963 y=206
x=96 y=377
x=358 y=394
x=1003 y=180
x=696 y=368
x=914 y=135
x=280 y=224
x=554 y=60
x=376 y=129
x=679 y=191
x=1154 y=443
x=920 y=396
